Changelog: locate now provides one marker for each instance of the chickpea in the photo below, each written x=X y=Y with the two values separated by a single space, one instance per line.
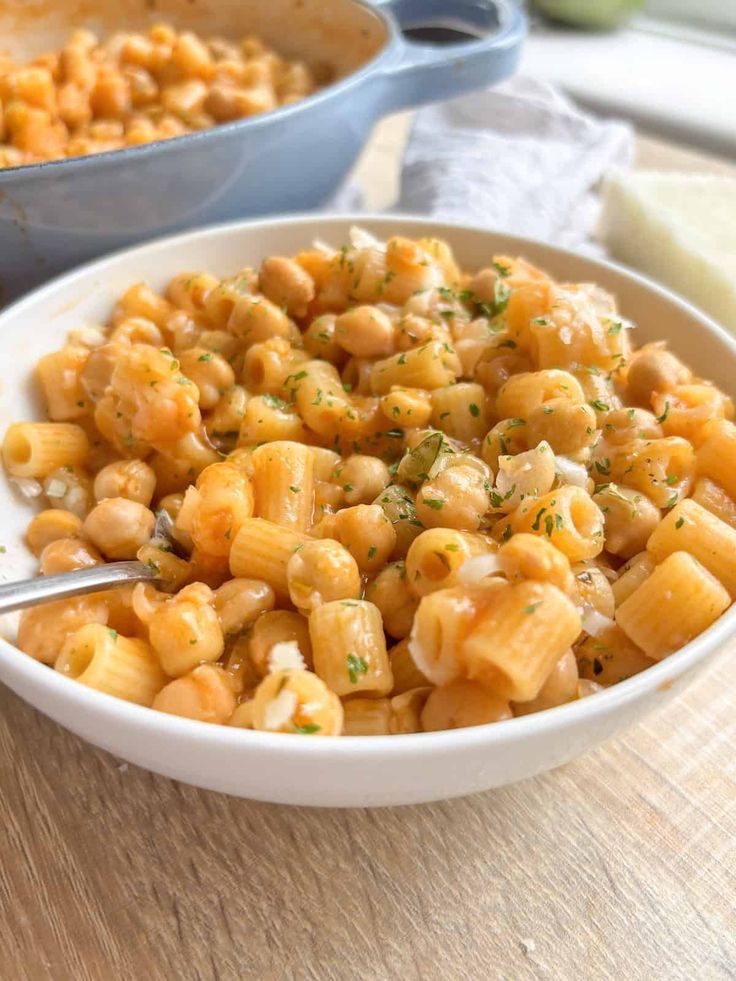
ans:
x=567 y=428
x=319 y=340
x=629 y=519
x=654 y=370
x=389 y=591
x=119 y=527
x=483 y=285
x=325 y=462
x=626 y=425
x=458 y=497
x=367 y=534
x=43 y=629
x=560 y=687
x=407 y=407
x=297 y=701
x=406 y=710
x=131 y=479
x=365 y=332
x=507 y=438
x=50 y=526
x=494 y=371
x=185 y=631
x=240 y=602
x=286 y=284
x=276 y=627
x=242 y=717
x=527 y=556
x=462 y=703
x=205 y=694
x=362 y=478
x=68 y=554
x=172 y=571
x=210 y=373
x=255 y=318
x=320 y=572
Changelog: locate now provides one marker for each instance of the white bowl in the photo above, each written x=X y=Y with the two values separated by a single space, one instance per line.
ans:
x=350 y=771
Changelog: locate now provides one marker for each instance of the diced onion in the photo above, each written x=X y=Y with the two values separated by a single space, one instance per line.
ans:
x=479 y=567
x=56 y=488
x=27 y=487
x=594 y=623
x=570 y=472
x=87 y=336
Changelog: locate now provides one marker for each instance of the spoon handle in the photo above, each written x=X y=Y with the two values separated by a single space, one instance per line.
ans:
x=28 y=592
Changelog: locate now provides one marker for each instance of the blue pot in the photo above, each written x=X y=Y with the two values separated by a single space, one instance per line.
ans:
x=57 y=214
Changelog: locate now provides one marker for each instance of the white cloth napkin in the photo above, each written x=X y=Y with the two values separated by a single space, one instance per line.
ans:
x=519 y=158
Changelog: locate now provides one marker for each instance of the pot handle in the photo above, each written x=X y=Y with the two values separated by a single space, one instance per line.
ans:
x=424 y=72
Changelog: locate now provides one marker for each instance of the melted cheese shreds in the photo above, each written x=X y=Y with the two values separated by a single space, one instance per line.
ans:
x=285 y=656
x=280 y=710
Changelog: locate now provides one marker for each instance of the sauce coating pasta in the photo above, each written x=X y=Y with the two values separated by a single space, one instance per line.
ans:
x=404 y=497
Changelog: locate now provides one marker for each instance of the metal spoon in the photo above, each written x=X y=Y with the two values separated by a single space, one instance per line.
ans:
x=42 y=589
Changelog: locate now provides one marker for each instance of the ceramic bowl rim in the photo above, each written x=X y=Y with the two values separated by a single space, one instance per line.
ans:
x=660 y=676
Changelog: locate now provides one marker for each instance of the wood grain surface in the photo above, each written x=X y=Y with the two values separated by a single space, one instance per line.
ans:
x=620 y=865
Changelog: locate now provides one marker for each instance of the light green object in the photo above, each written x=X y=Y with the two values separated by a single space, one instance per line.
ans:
x=598 y=14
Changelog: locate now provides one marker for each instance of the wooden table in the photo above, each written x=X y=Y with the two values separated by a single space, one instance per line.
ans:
x=620 y=865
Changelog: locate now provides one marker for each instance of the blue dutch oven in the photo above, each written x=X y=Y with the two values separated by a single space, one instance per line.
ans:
x=57 y=214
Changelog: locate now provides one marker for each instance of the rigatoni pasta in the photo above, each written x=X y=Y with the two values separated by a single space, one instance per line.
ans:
x=404 y=498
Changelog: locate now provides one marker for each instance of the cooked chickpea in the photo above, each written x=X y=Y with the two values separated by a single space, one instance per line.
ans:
x=49 y=526
x=389 y=591
x=407 y=407
x=567 y=427
x=185 y=630
x=171 y=570
x=629 y=519
x=319 y=340
x=131 y=479
x=119 y=527
x=66 y=555
x=483 y=286
x=362 y=478
x=320 y=572
x=210 y=372
x=298 y=702
x=367 y=534
x=462 y=703
x=456 y=498
x=276 y=627
x=205 y=694
x=285 y=283
x=654 y=369
x=365 y=332
x=239 y=603
x=527 y=556
x=560 y=687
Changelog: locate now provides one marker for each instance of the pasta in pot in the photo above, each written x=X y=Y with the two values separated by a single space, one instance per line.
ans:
x=133 y=88
x=404 y=498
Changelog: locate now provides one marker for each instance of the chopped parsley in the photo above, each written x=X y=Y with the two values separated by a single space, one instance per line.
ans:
x=599 y=406
x=666 y=412
x=113 y=633
x=205 y=357
x=533 y=607
x=474 y=410
x=679 y=523
x=372 y=551
x=356 y=667
x=307 y=730
x=435 y=503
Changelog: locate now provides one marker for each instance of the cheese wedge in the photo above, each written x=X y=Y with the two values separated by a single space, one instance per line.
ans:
x=679 y=229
